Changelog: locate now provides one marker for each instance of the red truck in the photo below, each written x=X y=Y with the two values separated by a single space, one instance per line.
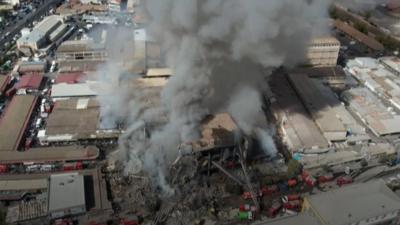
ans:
x=3 y=168
x=293 y=205
x=292 y=182
x=289 y=198
x=308 y=179
x=274 y=209
x=344 y=180
x=73 y=166
x=325 y=178
x=128 y=222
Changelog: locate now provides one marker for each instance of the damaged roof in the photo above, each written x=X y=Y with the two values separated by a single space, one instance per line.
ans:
x=216 y=131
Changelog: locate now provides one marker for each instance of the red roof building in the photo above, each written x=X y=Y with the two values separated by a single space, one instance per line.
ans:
x=29 y=81
x=70 y=78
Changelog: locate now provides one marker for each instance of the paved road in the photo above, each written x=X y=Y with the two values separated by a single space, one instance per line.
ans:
x=27 y=19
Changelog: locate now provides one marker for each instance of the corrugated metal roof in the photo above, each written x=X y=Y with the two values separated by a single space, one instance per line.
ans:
x=72 y=90
x=70 y=78
x=355 y=203
x=354 y=33
x=31 y=81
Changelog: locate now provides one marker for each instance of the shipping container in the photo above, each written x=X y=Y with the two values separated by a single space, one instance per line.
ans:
x=292 y=197
x=344 y=180
x=293 y=205
x=325 y=178
x=245 y=215
x=292 y=182
x=3 y=168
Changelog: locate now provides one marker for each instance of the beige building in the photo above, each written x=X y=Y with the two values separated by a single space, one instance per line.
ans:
x=323 y=51
x=371 y=203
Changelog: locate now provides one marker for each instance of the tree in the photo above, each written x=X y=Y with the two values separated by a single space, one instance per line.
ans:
x=333 y=12
x=361 y=27
x=294 y=168
x=3 y=217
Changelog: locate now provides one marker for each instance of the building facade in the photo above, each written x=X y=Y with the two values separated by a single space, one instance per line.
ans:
x=323 y=51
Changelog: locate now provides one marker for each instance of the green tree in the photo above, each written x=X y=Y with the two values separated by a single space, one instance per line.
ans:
x=333 y=13
x=361 y=27
x=3 y=217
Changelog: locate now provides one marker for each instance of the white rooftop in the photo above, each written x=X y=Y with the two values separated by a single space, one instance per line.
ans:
x=66 y=191
x=354 y=203
x=63 y=90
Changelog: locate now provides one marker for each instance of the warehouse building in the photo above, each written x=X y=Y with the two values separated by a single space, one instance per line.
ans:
x=75 y=119
x=301 y=219
x=50 y=154
x=81 y=55
x=346 y=157
x=379 y=76
x=65 y=90
x=372 y=111
x=32 y=67
x=392 y=64
x=14 y=122
x=332 y=118
x=298 y=129
x=371 y=203
x=323 y=51
x=66 y=195
x=45 y=32
x=370 y=42
x=29 y=83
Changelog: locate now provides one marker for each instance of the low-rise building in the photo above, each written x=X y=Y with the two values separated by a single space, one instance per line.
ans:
x=328 y=112
x=374 y=114
x=371 y=203
x=380 y=76
x=44 y=32
x=66 y=195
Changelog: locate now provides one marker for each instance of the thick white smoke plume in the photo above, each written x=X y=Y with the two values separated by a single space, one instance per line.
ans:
x=215 y=48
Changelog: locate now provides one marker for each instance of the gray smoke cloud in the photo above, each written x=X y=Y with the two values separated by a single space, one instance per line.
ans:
x=220 y=52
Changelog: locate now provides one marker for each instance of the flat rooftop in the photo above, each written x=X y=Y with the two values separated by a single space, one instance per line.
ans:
x=77 y=117
x=301 y=219
x=372 y=111
x=13 y=123
x=66 y=191
x=300 y=129
x=380 y=76
x=354 y=203
x=64 y=90
x=325 y=108
x=50 y=154
x=21 y=185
